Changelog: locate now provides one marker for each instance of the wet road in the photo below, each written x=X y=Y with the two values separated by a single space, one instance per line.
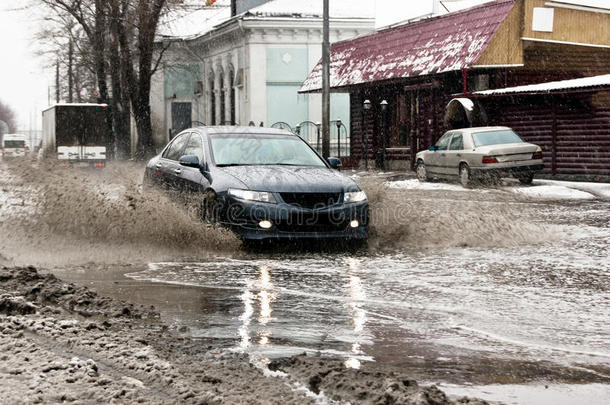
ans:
x=526 y=323
x=502 y=293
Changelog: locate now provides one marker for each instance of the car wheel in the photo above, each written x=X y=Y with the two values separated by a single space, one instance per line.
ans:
x=526 y=178
x=465 y=176
x=209 y=208
x=422 y=173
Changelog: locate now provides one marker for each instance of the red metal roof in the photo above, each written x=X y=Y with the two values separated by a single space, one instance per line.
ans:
x=440 y=44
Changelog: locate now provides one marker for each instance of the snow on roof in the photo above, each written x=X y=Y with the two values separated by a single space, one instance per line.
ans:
x=440 y=44
x=191 y=19
x=313 y=8
x=602 y=81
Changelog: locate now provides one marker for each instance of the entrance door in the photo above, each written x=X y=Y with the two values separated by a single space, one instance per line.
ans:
x=181 y=117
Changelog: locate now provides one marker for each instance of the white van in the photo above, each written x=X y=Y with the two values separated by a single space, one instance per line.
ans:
x=14 y=145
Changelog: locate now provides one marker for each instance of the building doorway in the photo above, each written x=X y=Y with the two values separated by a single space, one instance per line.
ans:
x=181 y=117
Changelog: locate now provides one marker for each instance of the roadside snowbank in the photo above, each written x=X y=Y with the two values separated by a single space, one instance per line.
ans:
x=64 y=343
x=414 y=184
x=552 y=192
x=597 y=189
x=540 y=189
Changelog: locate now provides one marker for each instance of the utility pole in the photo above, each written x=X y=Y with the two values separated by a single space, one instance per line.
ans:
x=325 y=82
x=57 y=82
x=70 y=71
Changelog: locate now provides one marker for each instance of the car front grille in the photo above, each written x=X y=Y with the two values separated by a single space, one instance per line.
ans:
x=311 y=200
x=314 y=222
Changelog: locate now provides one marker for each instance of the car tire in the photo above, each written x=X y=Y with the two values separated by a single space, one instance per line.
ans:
x=526 y=178
x=422 y=173
x=209 y=208
x=465 y=175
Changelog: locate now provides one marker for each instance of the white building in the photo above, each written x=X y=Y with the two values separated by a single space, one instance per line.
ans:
x=246 y=69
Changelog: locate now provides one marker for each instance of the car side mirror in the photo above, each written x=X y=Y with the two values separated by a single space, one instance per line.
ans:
x=334 y=162
x=189 y=161
x=432 y=148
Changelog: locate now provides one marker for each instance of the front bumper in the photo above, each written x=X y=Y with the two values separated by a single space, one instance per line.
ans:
x=290 y=222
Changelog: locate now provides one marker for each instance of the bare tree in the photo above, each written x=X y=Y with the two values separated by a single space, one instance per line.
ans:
x=7 y=114
x=136 y=21
x=121 y=36
x=63 y=44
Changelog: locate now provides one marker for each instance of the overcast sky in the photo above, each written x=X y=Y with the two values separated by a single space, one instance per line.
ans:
x=25 y=83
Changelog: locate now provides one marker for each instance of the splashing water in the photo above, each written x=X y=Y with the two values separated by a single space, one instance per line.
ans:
x=101 y=215
x=53 y=215
x=403 y=219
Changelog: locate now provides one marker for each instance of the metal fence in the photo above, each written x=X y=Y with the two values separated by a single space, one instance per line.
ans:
x=311 y=132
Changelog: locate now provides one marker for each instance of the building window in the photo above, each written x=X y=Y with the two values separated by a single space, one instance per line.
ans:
x=223 y=93
x=198 y=88
x=232 y=95
x=481 y=82
x=212 y=102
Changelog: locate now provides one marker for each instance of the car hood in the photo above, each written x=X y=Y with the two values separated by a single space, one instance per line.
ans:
x=291 y=179
x=507 y=149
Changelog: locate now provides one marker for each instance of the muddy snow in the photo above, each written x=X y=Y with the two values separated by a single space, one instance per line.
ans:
x=445 y=250
x=64 y=343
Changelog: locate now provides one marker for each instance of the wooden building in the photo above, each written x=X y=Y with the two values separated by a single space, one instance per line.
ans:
x=418 y=67
x=569 y=119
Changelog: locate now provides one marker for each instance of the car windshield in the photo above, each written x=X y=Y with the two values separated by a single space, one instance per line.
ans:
x=255 y=150
x=495 y=137
x=14 y=144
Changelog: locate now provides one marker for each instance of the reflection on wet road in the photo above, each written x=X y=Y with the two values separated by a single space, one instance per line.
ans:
x=439 y=312
x=484 y=314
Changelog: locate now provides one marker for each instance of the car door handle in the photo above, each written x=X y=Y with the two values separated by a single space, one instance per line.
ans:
x=459 y=155
x=158 y=165
x=177 y=171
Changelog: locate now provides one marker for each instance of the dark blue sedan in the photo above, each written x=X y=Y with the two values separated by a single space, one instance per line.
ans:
x=262 y=183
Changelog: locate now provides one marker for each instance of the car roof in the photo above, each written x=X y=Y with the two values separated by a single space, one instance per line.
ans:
x=242 y=130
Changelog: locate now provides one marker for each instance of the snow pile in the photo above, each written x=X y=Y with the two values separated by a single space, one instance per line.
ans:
x=415 y=184
x=553 y=192
x=598 y=189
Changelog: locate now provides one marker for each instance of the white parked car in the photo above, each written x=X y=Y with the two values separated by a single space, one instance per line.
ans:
x=484 y=152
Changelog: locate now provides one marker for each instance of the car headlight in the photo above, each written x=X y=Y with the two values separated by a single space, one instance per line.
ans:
x=354 y=197
x=249 y=195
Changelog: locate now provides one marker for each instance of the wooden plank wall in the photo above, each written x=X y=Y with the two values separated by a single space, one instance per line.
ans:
x=569 y=25
x=428 y=122
x=581 y=143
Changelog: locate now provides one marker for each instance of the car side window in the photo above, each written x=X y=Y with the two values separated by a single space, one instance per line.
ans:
x=175 y=150
x=443 y=142
x=457 y=142
x=194 y=147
